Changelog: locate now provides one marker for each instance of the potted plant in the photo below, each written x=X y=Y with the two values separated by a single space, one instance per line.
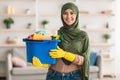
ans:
x=8 y=22
x=44 y=22
x=106 y=37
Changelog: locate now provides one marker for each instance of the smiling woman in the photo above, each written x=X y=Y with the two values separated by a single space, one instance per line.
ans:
x=73 y=51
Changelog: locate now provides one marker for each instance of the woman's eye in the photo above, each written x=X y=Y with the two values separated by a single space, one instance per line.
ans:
x=72 y=13
x=65 y=13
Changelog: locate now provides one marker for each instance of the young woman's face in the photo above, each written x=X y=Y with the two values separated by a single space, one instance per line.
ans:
x=69 y=17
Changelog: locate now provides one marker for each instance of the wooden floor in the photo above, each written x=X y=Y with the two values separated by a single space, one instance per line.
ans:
x=107 y=79
x=2 y=78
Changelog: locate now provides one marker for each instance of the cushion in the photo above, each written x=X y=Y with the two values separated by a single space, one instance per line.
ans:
x=93 y=57
x=94 y=69
x=17 y=62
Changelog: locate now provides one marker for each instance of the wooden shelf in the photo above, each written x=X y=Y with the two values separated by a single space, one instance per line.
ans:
x=21 y=15
x=17 y=30
x=18 y=0
x=98 y=30
x=109 y=74
x=49 y=14
x=96 y=14
x=97 y=0
x=101 y=44
x=56 y=0
x=77 y=0
x=23 y=45
x=4 y=45
x=108 y=59
x=84 y=14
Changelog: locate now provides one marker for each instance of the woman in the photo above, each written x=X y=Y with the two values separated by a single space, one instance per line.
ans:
x=73 y=51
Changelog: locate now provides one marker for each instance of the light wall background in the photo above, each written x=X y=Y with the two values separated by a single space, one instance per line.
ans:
x=53 y=7
x=117 y=37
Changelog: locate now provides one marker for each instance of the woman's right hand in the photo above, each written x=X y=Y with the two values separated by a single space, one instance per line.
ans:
x=37 y=63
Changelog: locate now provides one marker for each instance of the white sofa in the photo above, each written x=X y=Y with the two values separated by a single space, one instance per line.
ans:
x=34 y=73
x=25 y=73
x=96 y=70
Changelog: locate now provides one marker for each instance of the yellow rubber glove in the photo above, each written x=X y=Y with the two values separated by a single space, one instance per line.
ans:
x=36 y=62
x=59 y=53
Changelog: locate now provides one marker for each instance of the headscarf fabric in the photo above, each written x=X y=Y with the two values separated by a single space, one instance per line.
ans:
x=74 y=40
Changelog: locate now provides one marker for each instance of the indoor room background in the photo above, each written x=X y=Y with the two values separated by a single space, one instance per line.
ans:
x=97 y=17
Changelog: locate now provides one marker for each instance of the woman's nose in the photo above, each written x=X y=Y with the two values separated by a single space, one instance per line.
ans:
x=68 y=15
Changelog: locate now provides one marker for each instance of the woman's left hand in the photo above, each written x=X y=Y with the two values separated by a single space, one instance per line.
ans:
x=57 y=53
x=60 y=53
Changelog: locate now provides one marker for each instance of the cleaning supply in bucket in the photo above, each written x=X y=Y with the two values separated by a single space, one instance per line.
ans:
x=39 y=46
